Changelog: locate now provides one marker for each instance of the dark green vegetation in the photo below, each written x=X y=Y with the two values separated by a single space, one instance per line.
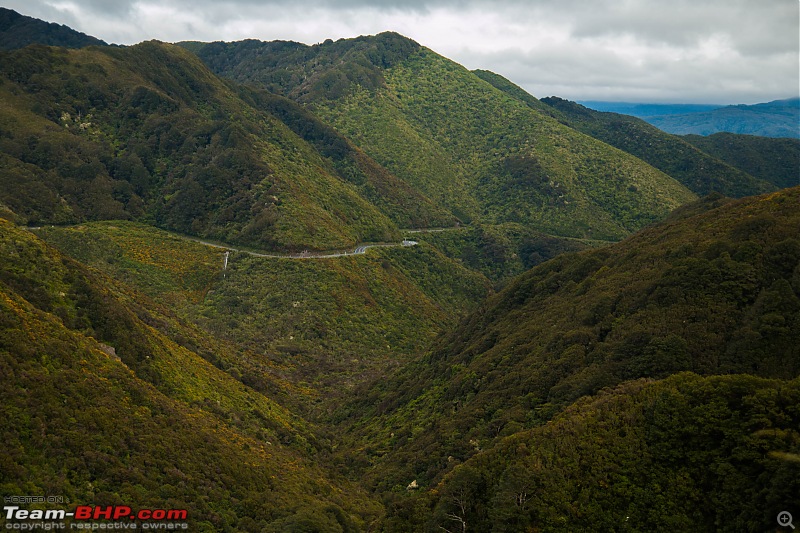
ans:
x=18 y=31
x=713 y=290
x=149 y=133
x=774 y=160
x=323 y=325
x=145 y=368
x=780 y=118
x=500 y=251
x=699 y=171
x=684 y=454
x=468 y=146
x=107 y=399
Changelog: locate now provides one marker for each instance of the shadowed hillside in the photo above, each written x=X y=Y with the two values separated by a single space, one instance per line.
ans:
x=468 y=146
x=774 y=160
x=713 y=290
x=699 y=171
x=148 y=133
x=19 y=31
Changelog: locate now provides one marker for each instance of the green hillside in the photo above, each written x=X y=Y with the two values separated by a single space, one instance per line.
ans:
x=106 y=400
x=776 y=161
x=574 y=341
x=697 y=170
x=468 y=146
x=687 y=453
x=713 y=290
x=148 y=133
x=323 y=325
x=18 y=31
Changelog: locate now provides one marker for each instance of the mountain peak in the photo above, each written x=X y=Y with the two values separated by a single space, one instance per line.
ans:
x=18 y=31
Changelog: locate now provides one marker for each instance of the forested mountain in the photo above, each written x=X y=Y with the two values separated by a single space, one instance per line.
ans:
x=107 y=400
x=647 y=110
x=712 y=290
x=323 y=325
x=468 y=146
x=155 y=351
x=147 y=132
x=774 y=160
x=686 y=453
x=671 y=154
x=780 y=118
x=18 y=31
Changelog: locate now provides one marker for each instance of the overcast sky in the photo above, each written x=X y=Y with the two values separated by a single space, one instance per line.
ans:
x=703 y=51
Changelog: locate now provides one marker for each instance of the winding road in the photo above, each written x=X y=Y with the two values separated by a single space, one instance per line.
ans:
x=360 y=249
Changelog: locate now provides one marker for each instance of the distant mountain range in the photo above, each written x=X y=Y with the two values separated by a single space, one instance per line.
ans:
x=515 y=371
x=647 y=110
x=779 y=118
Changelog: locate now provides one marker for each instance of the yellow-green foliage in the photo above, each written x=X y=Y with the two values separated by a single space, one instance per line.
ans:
x=168 y=268
x=715 y=289
x=102 y=407
x=472 y=148
x=686 y=453
x=327 y=324
x=147 y=132
x=487 y=155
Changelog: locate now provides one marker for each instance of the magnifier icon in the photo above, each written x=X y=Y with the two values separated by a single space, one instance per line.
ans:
x=785 y=519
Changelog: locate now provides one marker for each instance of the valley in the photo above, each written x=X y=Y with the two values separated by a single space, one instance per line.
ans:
x=355 y=286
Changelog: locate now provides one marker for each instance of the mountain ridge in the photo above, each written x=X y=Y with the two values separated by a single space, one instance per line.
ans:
x=18 y=31
x=257 y=191
x=700 y=291
x=378 y=91
x=697 y=170
x=779 y=118
x=649 y=383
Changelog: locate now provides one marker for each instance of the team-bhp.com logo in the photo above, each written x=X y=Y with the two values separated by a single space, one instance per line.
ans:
x=94 y=517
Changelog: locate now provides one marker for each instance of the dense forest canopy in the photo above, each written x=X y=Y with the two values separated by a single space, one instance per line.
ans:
x=574 y=341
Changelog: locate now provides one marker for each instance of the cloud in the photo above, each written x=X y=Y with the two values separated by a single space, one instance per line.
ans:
x=724 y=51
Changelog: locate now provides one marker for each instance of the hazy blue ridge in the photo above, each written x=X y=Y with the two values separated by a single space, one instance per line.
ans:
x=779 y=118
x=647 y=110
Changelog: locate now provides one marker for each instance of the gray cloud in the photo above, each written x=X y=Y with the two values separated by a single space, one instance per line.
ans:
x=723 y=51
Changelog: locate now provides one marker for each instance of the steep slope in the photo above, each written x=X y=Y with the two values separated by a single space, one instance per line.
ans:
x=780 y=118
x=776 y=161
x=323 y=325
x=19 y=31
x=687 y=453
x=713 y=290
x=468 y=146
x=672 y=155
x=147 y=132
x=104 y=403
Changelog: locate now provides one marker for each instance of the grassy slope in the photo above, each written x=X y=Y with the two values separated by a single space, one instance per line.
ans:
x=322 y=324
x=148 y=132
x=468 y=146
x=713 y=290
x=776 y=161
x=490 y=157
x=105 y=403
x=699 y=171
